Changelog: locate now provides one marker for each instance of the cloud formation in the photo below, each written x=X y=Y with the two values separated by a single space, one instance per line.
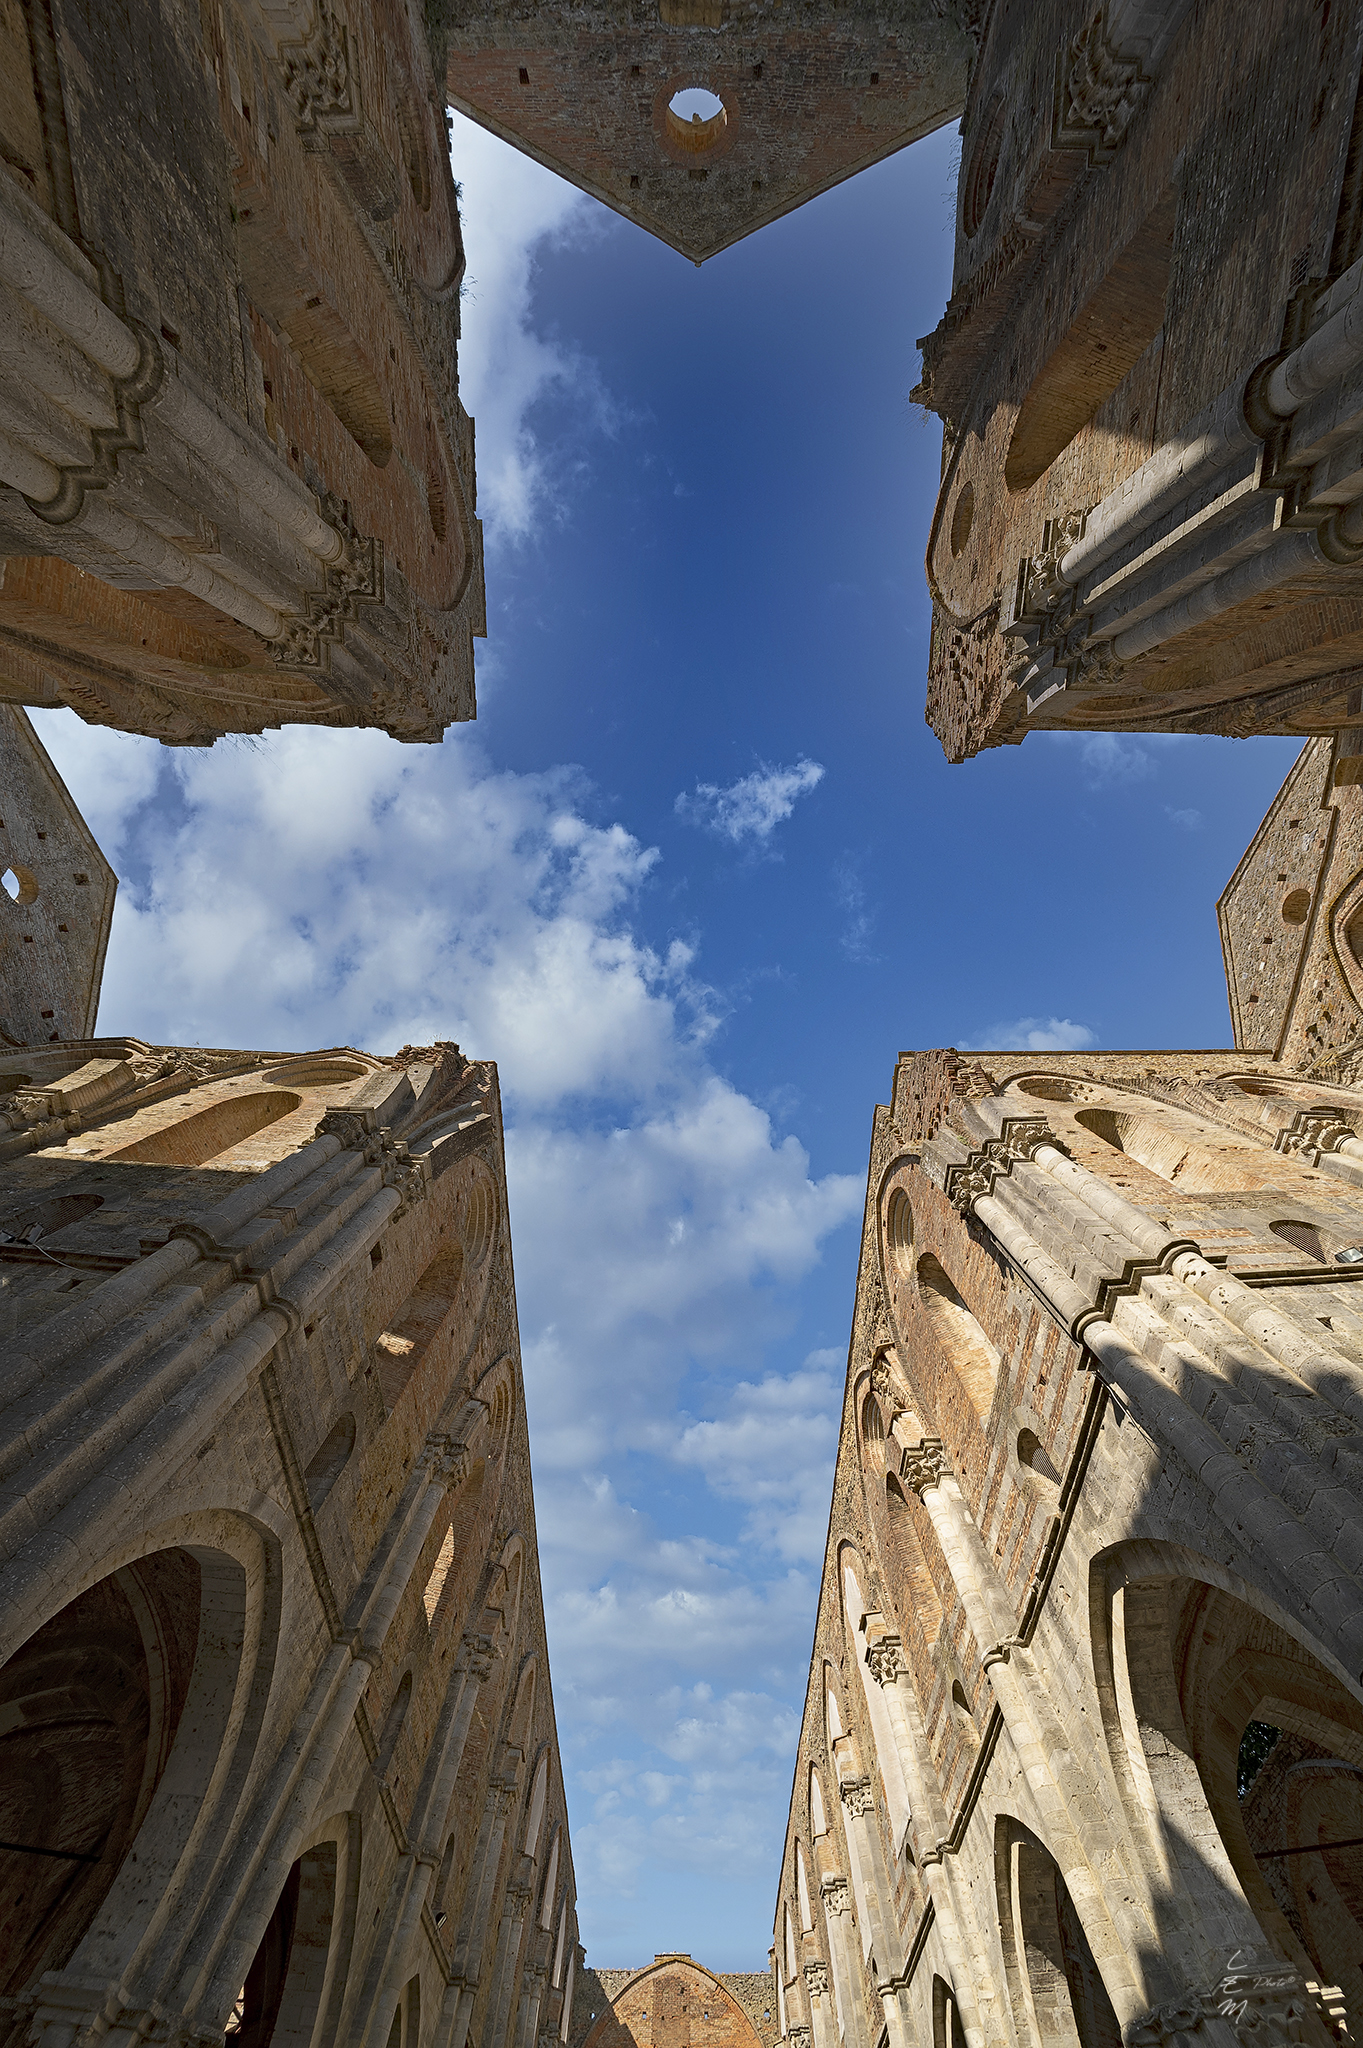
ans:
x=1031 y=1034
x=512 y=210
x=755 y=805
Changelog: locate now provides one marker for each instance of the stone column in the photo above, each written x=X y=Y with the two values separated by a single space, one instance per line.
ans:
x=836 y=1895
x=885 y=1657
x=476 y=1911
x=416 y=1872
x=1034 y=1729
x=822 y=2020
x=859 y=1807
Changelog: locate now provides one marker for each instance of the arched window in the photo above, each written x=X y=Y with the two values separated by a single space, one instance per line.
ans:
x=969 y=1351
x=559 y=1946
x=802 y=1892
x=392 y=1723
x=836 y=1731
x=329 y=1461
x=887 y=1748
x=534 y=1816
x=818 y=1818
x=1103 y=343
x=1184 y=1153
x=209 y=1133
x=792 y=1964
x=400 y=1347
x=550 y=1882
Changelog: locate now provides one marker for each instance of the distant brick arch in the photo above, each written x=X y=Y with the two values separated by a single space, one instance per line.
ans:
x=674 y=2003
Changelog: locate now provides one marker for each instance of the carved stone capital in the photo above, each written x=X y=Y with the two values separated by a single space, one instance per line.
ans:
x=316 y=75
x=1314 y=1132
x=885 y=1657
x=798 y=2037
x=354 y=580
x=970 y=1182
x=348 y=1126
x=857 y=1797
x=925 y=1466
x=1001 y=1652
x=837 y=1897
x=1097 y=92
x=816 y=1979
x=444 y=1461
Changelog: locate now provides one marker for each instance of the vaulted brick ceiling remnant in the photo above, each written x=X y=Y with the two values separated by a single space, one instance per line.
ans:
x=809 y=96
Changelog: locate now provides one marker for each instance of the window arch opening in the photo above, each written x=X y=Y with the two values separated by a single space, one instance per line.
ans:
x=329 y=1461
x=204 y=1136
x=90 y=1708
x=960 y=1335
x=1102 y=345
x=401 y=1346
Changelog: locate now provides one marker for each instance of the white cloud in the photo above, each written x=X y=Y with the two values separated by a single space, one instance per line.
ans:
x=1187 y=821
x=115 y=772
x=755 y=805
x=1031 y=1034
x=1113 y=757
x=773 y=1450
x=513 y=210
x=857 y=919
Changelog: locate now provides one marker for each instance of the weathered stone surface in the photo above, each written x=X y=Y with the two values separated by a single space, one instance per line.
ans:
x=273 y=1679
x=1149 y=510
x=58 y=898
x=236 y=481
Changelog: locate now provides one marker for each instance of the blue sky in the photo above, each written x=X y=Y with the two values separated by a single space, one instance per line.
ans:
x=697 y=874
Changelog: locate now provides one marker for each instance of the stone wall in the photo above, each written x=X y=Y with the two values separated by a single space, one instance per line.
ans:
x=807 y=100
x=276 y=1705
x=1138 y=527
x=237 y=483
x=1094 y=1515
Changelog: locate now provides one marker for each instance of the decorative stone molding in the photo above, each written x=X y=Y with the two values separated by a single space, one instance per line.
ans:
x=1314 y=1132
x=1097 y=93
x=926 y=1465
x=317 y=75
x=837 y=1897
x=355 y=580
x=857 y=1797
x=445 y=1460
x=798 y=2037
x=1020 y=1140
x=130 y=394
x=816 y=1979
x=886 y=1659
x=1002 y=1651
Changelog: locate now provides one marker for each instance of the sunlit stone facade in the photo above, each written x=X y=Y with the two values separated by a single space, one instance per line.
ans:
x=1098 y=1512
x=277 y=1743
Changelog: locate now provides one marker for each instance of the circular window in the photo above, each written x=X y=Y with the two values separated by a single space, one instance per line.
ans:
x=19 y=884
x=1296 y=906
x=983 y=168
x=696 y=120
x=899 y=1232
x=962 y=518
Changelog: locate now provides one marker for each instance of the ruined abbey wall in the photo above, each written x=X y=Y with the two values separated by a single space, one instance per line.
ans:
x=277 y=1749
x=1087 y=1654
